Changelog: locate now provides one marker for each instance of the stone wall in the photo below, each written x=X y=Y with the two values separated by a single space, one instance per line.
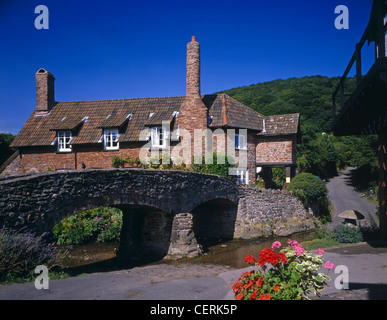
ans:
x=267 y=212
x=275 y=149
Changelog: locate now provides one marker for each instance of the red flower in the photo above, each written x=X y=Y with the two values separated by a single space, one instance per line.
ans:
x=253 y=295
x=239 y=296
x=282 y=256
x=235 y=287
x=276 y=288
x=267 y=255
x=265 y=297
x=250 y=259
x=259 y=282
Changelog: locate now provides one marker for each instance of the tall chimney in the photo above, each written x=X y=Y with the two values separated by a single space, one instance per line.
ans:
x=45 y=98
x=193 y=113
x=193 y=68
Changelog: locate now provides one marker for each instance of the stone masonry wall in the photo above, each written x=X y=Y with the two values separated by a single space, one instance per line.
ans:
x=274 y=149
x=267 y=212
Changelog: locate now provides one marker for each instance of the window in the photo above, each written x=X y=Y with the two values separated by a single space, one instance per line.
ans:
x=240 y=141
x=158 y=137
x=64 y=139
x=110 y=138
x=242 y=176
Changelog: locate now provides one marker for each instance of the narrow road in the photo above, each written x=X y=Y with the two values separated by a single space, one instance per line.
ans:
x=344 y=197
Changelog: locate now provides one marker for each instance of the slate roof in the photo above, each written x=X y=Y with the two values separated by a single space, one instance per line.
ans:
x=284 y=124
x=88 y=118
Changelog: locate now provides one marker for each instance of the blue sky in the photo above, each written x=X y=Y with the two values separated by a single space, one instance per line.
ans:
x=99 y=49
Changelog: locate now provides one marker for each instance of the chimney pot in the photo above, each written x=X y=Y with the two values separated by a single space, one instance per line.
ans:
x=193 y=38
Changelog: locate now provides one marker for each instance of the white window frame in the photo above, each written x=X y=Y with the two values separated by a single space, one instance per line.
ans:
x=64 y=139
x=110 y=139
x=240 y=142
x=242 y=175
x=158 y=137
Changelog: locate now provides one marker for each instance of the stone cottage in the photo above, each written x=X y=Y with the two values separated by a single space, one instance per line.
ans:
x=88 y=134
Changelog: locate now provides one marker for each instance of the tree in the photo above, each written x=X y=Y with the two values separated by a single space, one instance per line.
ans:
x=5 y=151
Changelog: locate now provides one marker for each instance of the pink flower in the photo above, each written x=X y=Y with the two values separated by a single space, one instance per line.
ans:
x=276 y=244
x=329 y=265
x=320 y=251
x=298 y=249
x=292 y=242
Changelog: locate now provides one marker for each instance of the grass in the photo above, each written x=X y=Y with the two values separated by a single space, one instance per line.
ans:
x=320 y=243
x=53 y=275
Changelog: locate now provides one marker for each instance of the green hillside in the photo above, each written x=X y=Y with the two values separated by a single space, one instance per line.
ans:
x=310 y=96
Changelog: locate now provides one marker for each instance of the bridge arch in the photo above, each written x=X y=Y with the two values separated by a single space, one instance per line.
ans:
x=214 y=221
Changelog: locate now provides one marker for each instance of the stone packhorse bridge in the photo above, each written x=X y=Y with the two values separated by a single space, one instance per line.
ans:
x=164 y=212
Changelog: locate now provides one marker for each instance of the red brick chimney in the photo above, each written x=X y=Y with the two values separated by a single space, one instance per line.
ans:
x=193 y=113
x=45 y=99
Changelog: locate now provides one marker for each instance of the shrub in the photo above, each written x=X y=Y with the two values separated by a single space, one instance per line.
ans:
x=220 y=169
x=259 y=182
x=310 y=189
x=21 y=253
x=279 y=177
x=118 y=162
x=100 y=224
x=347 y=234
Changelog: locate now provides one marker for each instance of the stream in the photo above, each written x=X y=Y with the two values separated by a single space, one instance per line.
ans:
x=100 y=256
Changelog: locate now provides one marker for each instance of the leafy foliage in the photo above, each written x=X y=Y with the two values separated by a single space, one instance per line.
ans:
x=213 y=166
x=100 y=224
x=5 y=151
x=347 y=234
x=21 y=252
x=310 y=189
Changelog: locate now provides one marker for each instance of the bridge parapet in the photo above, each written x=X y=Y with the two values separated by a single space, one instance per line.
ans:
x=41 y=200
x=165 y=212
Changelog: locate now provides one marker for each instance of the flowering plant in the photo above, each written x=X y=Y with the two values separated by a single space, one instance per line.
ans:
x=260 y=183
x=291 y=274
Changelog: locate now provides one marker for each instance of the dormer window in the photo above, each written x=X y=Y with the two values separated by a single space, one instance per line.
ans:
x=110 y=138
x=64 y=140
